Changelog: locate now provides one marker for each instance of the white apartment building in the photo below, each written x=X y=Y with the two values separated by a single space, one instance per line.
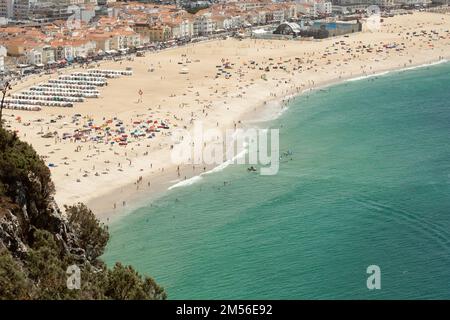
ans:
x=34 y=56
x=322 y=7
x=203 y=25
x=181 y=28
x=83 y=49
x=6 y=8
x=259 y=17
x=384 y=3
x=414 y=2
x=48 y=55
x=76 y=2
x=21 y=8
x=186 y=29
x=252 y=4
x=278 y=15
x=3 y=52
x=3 y=9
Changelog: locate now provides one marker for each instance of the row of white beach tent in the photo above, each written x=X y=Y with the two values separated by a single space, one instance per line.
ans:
x=44 y=103
x=78 y=82
x=111 y=73
x=100 y=80
x=33 y=95
x=92 y=74
x=64 y=91
x=16 y=106
x=70 y=86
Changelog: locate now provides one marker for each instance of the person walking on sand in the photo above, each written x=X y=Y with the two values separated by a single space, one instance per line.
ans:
x=140 y=92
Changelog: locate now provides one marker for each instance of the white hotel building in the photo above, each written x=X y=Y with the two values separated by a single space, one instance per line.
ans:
x=6 y=8
x=2 y=58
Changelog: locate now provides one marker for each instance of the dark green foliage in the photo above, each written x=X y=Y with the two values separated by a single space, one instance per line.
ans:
x=46 y=267
x=39 y=272
x=21 y=167
x=93 y=236
x=125 y=283
x=13 y=282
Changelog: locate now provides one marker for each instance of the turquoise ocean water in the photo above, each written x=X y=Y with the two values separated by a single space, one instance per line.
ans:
x=368 y=183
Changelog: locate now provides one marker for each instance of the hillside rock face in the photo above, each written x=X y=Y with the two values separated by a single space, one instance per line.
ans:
x=19 y=218
x=10 y=233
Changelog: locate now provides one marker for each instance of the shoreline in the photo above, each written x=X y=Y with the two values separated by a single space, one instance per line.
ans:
x=145 y=199
x=99 y=174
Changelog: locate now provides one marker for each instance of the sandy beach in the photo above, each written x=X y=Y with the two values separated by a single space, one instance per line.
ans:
x=183 y=85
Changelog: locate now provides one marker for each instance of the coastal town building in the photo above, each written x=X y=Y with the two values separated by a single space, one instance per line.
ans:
x=68 y=50
x=180 y=28
x=34 y=56
x=124 y=38
x=252 y=4
x=203 y=25
x=36 y=10
x=275 y=14
x=6 y=8
x=3 y=53
x=322 y=8
x=352 y=5
x=150 y=32
x=414 y=2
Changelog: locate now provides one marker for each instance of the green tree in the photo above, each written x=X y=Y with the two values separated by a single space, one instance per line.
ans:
x=13 y=282
x=4 y=88
x=46 y=267
x=125 y=283
x=21 y=166
x=93 y=235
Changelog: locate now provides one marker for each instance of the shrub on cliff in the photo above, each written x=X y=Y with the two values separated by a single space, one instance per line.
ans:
x=13 y=282
x=93 y=236
x=125 y=283
x=21 y=169
x=46 y=267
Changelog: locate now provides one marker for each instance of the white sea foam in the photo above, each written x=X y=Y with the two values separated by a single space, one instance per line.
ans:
x=283 y=110
x=225 y=164
x=368 y=76
x=216 y=169
x=186 y=182
x=425 y=65
x=399 y=70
